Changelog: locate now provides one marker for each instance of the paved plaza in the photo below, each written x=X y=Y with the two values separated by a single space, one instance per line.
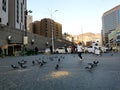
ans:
x=70 y=75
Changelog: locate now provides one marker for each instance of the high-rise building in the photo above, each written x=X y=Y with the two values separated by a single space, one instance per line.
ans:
x=29 y=23
x=36 y=27
x=3 y=12
x=45 y=27
x=12 y=13
x=16 y=14
x=110 y=23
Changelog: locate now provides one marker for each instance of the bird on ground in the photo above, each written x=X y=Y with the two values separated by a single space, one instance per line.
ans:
x=44 y=62
x=33 y=62
x=39 y=62
x=21 y=65
x=95 y=62
x=57 y=66
x=23 y=61
x=14 y=66
x=90 y=66
x=112 y=54
x=59 y=60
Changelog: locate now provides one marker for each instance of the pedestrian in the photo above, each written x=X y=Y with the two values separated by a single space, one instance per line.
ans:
x=36 y=50
x=51 y=49
x=80 y=50
x=66 y=51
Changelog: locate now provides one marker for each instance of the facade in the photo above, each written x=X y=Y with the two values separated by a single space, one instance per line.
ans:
x=111 y=26
x=16 y=12
x=3 y=12
x=45 y=27
x=29 y=23
x=12 y=20
x=36 y=27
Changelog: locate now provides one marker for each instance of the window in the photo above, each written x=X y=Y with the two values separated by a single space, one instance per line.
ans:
x=0 y=20
x=4 y=5
x=21 y=12
x=118 y=16
x=17 y=11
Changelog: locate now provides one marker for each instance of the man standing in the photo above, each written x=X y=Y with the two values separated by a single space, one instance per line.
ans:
x=80 y=50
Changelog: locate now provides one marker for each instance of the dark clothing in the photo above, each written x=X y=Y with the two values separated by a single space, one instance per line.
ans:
x=36 y=50
x=80 y=55
x=51 y=50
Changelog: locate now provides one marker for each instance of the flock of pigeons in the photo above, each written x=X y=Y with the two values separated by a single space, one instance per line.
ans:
x=92 y=65
x=41 y=62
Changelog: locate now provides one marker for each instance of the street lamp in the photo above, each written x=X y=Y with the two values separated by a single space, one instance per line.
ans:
x=51 y=14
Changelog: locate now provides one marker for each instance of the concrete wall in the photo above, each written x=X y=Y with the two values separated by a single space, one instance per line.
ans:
x=17 y=37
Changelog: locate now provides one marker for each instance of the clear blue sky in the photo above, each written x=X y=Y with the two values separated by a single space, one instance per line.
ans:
x=76 y=16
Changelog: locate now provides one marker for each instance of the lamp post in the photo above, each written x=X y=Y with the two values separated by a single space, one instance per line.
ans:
x=51 y=14
x=25 y=38
x=26 y=13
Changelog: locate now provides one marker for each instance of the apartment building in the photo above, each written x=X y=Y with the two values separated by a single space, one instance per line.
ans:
x=45 y=27
x=36 y=27
x=110 y=24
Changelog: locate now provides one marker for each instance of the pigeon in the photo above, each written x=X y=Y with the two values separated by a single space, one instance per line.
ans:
x=23 y=61
x=95 y=62
x=38 y=62
x=90 y=66
x=59 y=60
x=56 y=67
x=21 y=65
x=14 y=66
x=33 y=62
x=43 y=62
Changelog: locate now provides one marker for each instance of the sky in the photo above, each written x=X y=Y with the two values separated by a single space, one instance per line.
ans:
x=76 y=16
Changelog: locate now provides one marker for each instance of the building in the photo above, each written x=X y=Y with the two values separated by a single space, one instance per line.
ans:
x=29 y=23
x=110 y=25
x=3 y=12
x=16 y=14
x=12 y=19
x=36 y=27
x=45 y=27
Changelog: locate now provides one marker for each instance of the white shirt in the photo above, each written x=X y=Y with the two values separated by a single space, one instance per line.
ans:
x=79 y=48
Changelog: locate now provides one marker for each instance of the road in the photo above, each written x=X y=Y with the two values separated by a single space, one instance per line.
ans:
x=71 y=74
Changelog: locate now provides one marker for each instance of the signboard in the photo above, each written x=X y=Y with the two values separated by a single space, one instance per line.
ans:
x=25 y=40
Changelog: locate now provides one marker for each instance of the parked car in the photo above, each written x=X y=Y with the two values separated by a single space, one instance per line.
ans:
x=60 y=50
x=47 y=50
x=104 y=49
x=90 y=49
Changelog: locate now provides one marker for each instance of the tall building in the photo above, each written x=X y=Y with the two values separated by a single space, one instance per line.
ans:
x=29 y=23
x=36 y=27
x=12 y=23
x=12 y=13
x=16 y=14
x=45 y=27
x=3 y=12
x=110 y=23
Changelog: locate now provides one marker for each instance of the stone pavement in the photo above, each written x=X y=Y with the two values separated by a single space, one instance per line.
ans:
x=71 y=74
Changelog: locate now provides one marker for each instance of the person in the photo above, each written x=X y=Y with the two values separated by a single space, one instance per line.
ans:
x=36 y=50
x=65 y=48
x=51 y=50
x=80 y=50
